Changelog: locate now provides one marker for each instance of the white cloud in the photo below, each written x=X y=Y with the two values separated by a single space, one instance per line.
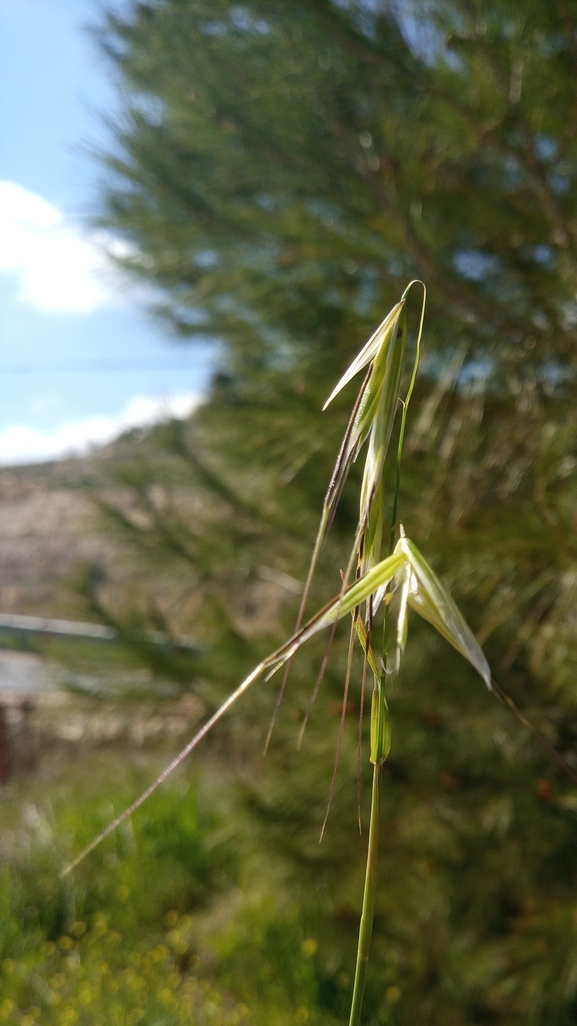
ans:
x=22 y=444
x=57 y=268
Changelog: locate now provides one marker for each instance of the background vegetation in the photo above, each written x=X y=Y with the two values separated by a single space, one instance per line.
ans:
x=281 y=171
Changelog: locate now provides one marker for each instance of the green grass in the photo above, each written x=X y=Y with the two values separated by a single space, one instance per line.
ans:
x=173 y=920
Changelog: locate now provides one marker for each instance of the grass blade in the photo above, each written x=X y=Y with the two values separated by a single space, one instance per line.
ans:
x=431 y=600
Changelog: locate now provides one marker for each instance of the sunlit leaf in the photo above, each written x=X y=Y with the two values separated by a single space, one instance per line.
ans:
x=378 y=341
x=345 y=603
x=363 y=637
x=431 y=600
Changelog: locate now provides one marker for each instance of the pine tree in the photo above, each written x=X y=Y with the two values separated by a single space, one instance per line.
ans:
x=281 y=172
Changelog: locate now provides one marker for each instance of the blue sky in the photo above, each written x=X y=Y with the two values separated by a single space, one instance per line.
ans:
x=65 y=316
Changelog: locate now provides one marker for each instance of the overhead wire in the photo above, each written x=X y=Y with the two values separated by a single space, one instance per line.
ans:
x=93 y=367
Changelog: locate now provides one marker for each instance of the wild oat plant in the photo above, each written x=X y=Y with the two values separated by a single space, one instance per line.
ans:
x=386 y=576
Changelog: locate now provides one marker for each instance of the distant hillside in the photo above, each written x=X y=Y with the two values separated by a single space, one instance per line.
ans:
x=48 y=527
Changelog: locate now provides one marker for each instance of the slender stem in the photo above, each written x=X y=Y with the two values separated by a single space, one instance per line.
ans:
x=380 y=723
x=405 y=404
x=369 y=896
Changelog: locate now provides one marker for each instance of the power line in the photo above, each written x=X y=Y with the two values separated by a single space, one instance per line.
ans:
x=93 y=367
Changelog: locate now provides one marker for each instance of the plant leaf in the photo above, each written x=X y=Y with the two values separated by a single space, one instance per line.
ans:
x=366 y=646
x=379 y=339
x=344 y=603
x=388 y=378
x=431 y=600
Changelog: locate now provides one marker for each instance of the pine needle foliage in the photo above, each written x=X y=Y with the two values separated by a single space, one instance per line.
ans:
x=280 y=171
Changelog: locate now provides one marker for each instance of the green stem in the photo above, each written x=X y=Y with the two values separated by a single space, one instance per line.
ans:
x=369 y=896
x=405 y=404
x=380 y=725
